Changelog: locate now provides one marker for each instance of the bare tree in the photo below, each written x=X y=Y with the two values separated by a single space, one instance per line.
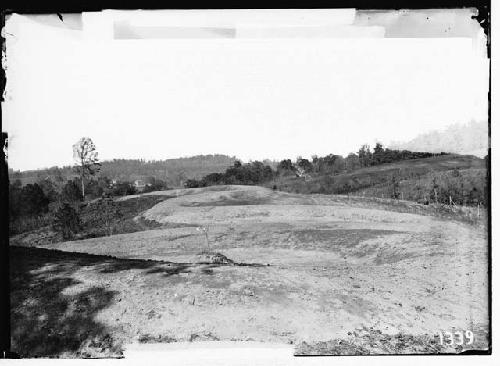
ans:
x=87 y=163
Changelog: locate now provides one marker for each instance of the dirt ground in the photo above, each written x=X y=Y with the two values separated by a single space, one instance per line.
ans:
x=324 y=273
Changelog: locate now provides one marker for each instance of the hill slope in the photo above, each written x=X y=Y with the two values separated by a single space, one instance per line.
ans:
x=173 y=171
x=382 y=176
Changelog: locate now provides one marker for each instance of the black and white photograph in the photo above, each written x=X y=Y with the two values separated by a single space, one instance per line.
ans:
x=303 y=182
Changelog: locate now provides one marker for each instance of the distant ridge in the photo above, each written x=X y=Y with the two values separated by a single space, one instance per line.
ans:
x=173 y=171
x=464 y=139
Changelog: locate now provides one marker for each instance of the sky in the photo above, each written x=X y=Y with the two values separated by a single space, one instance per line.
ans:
x=250 y=84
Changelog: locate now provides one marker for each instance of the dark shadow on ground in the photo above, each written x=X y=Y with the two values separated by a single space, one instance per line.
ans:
x=46 y=321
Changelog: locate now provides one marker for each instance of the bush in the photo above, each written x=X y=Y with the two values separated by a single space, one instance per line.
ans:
x=66 y=220
x=103 y=213
x=33 y=200
x=123 y=189
x=28 y=207
x=157 y=185
x=71 y=191
x=193 y=183
x=247 y=174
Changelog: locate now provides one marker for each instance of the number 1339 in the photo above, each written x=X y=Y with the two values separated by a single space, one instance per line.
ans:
x=458 y=338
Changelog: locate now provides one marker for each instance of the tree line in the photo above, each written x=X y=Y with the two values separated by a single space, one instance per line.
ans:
x=257 y=172
x=171 y=171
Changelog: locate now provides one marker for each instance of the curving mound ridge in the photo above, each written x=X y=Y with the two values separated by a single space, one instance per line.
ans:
x=234 y=204
x=337 y=266
x=230 y=195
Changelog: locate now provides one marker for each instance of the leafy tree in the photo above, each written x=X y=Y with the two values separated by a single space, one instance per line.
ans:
x=123 y=189
x=96 y=188
x=193 y=183
x=268 y=173
x=33 y=200
x=352 y=162
x=381 y=155
x=378 y=153
x=87 y=162
x=49 y=189
x=156 y=185
x=213 y=179
x=315 y=161
x=339 y=164
x=305 y=164
x=66 y=220
x=285 y=166
x=365 y=155
x=328 y=164
x=71 y=192
x=252 y=173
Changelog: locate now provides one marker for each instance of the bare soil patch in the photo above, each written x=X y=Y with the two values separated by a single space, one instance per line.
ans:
x=395 y=278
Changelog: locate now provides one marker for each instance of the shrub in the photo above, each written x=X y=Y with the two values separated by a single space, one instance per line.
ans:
x=157 y=185
x=193 y=183
x=33 y=200
x=102 y=213
x=71 y=191
x=123 y=189
x=66 y=220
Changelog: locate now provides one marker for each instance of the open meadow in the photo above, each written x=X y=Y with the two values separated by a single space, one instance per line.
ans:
x=328 y=274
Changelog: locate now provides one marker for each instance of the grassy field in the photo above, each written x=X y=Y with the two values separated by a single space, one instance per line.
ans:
x=329 y=274
x=375 y=180
x=464 y=187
